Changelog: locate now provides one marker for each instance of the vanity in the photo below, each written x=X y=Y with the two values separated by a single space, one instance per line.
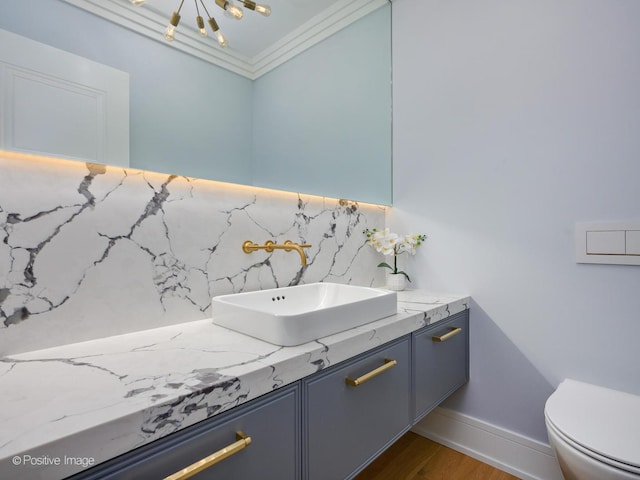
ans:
x=148 y=404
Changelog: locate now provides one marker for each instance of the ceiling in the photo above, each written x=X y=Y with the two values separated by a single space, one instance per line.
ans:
x=254 y=33
x=257 y=44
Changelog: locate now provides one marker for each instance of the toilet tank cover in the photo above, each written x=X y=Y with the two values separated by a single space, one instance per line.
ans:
x=602 y=420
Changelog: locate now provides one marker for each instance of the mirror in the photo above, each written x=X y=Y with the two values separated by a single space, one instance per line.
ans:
x=320 y=123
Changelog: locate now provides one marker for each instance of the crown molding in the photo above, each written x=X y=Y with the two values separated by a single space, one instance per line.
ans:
x=152 y=25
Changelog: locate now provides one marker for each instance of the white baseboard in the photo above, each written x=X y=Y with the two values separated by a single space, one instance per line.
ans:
x=516 y=454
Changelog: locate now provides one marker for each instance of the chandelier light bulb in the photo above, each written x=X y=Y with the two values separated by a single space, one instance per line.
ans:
x=201 y=29
x=170 y=32
x=257 y=7
x=263 y=9
x=234 y=11
x=222 y=41
x=230 y=9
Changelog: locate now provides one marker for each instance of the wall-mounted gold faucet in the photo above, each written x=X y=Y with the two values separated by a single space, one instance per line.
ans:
x=270 y=246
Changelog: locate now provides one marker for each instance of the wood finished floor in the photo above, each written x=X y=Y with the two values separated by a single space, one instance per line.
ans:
x=414 y=457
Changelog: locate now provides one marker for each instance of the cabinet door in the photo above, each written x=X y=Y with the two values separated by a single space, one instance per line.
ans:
x=441 y=361
x=348 y=425
x=273 y=453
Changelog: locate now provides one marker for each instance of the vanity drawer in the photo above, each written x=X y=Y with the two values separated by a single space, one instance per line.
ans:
x=348 y=424
x=270 y=422
x=441 y=362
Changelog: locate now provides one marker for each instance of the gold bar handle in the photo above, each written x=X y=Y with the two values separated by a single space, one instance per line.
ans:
x=354 y=382
x=451 y=333
x=188 y=472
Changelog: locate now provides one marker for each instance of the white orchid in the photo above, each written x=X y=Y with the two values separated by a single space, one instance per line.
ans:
x=389 y=243
x=384 y=241
x=410 y=242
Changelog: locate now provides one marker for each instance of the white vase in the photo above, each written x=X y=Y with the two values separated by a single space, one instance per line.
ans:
x=396 y=281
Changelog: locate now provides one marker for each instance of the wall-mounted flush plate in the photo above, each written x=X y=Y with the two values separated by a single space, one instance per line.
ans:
x=616 y=243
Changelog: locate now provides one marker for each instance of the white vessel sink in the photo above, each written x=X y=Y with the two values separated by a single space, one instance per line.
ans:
x=294 y=315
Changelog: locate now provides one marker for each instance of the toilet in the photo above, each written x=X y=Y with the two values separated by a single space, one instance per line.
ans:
x=594 y=431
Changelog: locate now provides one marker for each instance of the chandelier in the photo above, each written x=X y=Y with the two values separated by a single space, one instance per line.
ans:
x=230 y=10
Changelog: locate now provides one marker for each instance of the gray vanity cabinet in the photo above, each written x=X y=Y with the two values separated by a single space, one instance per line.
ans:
x=327 y=426
x=271 y=422
x=355 y=410
x=441 y=362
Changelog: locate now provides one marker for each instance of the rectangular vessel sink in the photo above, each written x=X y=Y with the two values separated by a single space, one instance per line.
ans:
x=294 y=315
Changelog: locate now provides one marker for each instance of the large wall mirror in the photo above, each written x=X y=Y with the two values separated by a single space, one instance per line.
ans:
x=314 y=117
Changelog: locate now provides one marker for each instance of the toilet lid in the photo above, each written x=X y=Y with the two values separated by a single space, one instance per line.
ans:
x=604 y=421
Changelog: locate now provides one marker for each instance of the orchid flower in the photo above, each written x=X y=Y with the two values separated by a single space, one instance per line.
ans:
x=389 y=243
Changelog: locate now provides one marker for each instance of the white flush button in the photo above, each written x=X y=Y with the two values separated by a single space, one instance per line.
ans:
x=633 y=242
x=606 y=243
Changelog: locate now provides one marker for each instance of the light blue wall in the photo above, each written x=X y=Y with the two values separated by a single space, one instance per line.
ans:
x=512 y=121
x=182 y=109
x=323 y=99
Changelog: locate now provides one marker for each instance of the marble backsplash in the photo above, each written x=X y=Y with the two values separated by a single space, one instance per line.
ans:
x=88 y=251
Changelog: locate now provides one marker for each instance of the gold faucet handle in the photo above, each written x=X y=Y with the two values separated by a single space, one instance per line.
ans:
x=248 y=246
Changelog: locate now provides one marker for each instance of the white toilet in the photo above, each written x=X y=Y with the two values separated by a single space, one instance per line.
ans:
x=594 y=431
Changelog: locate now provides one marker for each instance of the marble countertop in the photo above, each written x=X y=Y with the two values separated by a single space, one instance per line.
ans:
x=67 y=408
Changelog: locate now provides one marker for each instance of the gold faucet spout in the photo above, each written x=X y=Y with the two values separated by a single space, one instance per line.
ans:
x=289 y=245
x=248 y=247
